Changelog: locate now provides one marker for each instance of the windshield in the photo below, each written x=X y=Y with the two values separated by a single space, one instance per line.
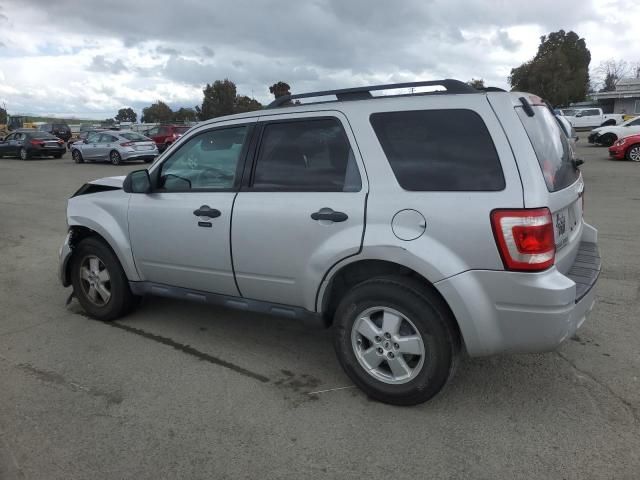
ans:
x=551 y=146
x=135 y=137
x=43 y=136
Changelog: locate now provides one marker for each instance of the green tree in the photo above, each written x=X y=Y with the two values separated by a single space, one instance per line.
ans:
x=246 y=104
x=159 y=112
x=559 y=72
x=126 y=115
x=108 y=122
x=476 y=83
x=219 y=99
x=280 y=89
x=185 y=115
x=3 y=116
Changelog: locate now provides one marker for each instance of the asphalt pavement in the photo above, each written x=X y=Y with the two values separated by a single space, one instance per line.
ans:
x=181 y=390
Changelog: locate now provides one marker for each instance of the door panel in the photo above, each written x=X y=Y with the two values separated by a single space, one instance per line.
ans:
x=280 y=252
x=169 y=246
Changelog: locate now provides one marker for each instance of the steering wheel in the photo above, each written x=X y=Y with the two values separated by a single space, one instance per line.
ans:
x=212 y=175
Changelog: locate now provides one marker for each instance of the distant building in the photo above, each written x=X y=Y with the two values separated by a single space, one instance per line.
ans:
x=625 y=98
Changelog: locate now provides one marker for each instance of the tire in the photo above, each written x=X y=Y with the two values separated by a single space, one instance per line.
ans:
x=422 y=315
x=148 y=160
x=92 y=252
x=607 y=139
x=77 y=156
x=115 y=158
x=23 y=154
x=633 y=153
x=57 y=155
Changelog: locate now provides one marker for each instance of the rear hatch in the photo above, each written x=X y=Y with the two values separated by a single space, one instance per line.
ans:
x=562 y=178
x=48 y=141
x=139 y=142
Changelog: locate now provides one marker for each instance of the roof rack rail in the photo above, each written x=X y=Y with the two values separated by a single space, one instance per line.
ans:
x=362 y=93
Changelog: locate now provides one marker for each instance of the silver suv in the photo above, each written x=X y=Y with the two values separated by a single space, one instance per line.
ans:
x=418 y=225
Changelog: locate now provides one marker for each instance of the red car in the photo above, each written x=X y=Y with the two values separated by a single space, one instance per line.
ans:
x=627 y=147
x=165 y=135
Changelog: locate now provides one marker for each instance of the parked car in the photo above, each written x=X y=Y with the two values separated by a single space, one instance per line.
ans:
x=607 y=136
x=414 y=238
x=29 y=143
x=626 y=148
x=568 y=130
x=593 y=117
x=60 y=130
x=165 y=135
x=114 y=147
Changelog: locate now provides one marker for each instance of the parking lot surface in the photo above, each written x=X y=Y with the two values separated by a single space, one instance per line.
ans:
x=181 y=390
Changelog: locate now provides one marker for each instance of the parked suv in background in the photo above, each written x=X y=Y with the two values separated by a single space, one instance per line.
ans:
x=60 y=130
x=414 y=238
x=165 y=135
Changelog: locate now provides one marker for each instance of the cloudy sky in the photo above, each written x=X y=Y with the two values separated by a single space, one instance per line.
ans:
x=88 y=58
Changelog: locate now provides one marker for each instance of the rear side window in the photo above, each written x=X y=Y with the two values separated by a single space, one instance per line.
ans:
x=306 y=155
x=551 y=147
x=439 y=150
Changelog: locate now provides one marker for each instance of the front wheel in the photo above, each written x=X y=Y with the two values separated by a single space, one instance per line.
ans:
x=607 y=139
x=115 y=157
x=633 y=153
x=77 y=156
x=99 y=282
x=395 y=339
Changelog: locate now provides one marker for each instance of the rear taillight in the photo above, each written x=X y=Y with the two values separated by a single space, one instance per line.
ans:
x=525 y=238
x=36 y=142
x=127 y=144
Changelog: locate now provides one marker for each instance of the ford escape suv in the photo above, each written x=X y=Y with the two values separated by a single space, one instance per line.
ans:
x=419 y=226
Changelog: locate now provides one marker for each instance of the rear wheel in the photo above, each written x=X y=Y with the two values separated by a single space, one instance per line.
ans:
x=395 y=340
x=115 y=157
x=633 y=153
x=57 y=155
x=23 y=154
x=607 y=139
x=77 y=156
x=99 y=282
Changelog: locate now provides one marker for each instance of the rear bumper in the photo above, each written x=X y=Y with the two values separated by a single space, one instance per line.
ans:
x=144 y=155
x=500 y=311
x=43 y=152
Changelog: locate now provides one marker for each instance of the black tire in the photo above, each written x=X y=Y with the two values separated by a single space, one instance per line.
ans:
x=57 y=155
x=77 y=156
x=121 y=301
x=23 y=154
x=114 y=157
x=148 y=160
x=431 y=319
x=633 y=153
x=607 y=139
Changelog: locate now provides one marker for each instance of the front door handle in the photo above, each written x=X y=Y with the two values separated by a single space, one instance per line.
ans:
x=206 y=211
x=329 y=214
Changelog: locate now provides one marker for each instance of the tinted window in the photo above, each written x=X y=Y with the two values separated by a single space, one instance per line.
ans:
x=306 y=155
x=207 y=161
x=180 y=129
x=590 y=113
x=60 y=126
x=635 y=123
x=43 y=135
x=163 y=131
x=93 y=137
x=439 y=150
x=551 y=147
x=134 y=137
x=106 y=138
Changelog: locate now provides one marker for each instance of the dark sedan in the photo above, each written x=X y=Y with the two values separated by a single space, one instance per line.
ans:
x=27 y=144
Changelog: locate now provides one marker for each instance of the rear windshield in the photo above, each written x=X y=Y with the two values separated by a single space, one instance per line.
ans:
x=181 y=129
x=134 y=137
x=43 y=136
x=60 y=126
x=551 y=147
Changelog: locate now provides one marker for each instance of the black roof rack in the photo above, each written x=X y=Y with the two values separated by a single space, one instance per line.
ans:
x=362 y=93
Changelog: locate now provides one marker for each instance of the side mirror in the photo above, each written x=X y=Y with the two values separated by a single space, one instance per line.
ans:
x=137 y=181
x=85 y=141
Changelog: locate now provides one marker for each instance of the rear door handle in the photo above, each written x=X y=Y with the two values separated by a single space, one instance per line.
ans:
x=330 y=215
x=206 y=211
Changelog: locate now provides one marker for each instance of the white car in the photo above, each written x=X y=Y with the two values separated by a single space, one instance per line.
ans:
x=593 y=117
x=606 y=136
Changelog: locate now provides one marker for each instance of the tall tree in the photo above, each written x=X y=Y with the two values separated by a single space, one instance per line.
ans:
x=559 y=72
x=476 y=82
x=126 y=115
x=219 y=99
x=185 y=115
x=159 y=112
x=246 y=104
x=280 y=89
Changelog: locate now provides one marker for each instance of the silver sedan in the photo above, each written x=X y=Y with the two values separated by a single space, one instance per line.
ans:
x=114 y=147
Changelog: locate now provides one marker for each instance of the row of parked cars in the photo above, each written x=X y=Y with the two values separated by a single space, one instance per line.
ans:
x=92 y=144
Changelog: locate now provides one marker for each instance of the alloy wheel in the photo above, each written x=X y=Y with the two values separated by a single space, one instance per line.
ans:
x=388 y=345
x=634 y=154
x=95 y=280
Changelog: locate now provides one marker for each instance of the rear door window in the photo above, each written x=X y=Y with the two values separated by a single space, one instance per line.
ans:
x=439 y=150
x=551 y=146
